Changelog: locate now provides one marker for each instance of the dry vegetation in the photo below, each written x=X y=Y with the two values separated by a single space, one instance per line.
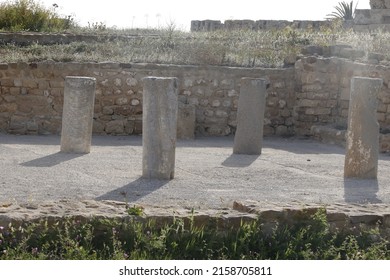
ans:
x=243 y=48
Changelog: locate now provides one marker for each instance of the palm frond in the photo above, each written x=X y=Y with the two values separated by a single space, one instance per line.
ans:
x=344 y=10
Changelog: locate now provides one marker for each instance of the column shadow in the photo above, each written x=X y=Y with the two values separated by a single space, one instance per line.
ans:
x=361 y=191
x=134 y=190
x=51 y=160
x=238 y=160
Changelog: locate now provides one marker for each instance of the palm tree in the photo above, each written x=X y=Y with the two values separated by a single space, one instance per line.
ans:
x=343 y=11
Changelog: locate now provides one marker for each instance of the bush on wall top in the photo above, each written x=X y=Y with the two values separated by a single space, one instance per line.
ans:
x=28 y=15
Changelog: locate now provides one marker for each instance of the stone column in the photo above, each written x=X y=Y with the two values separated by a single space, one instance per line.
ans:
x=159 y=125
x=361 y=160
x=77 y=116
x=250 y=117
x=186 y=120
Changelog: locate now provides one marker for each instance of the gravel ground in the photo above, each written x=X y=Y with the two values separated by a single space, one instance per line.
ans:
x=207 y=174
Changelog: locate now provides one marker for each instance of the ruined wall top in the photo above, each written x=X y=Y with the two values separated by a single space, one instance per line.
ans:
x=378 y=17
x=213 y=25
x=380 y=4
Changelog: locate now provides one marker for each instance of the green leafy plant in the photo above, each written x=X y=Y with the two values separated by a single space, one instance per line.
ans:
x=28 y=15
x=344 y=10
x=135 y=210
x=135 y=238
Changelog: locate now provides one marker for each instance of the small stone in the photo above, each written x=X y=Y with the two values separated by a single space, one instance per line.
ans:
x=118 y=82
x=135 y=102
x=216 y=103
x=232 y=93
x=221 y=114
x=121 y=101
x=131 y=82
x=115 y=127
x=282 y=104
x=188 y=83
x=108 y=111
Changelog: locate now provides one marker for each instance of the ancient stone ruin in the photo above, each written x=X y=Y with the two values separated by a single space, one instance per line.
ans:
x=378 y=17
x=250 y=117
x=380 y=4
x=77 y=117
x=160 y=108
x=361 y=160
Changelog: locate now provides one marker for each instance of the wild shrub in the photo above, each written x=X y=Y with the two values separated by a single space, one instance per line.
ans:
x=28 y=15
x=72 y=239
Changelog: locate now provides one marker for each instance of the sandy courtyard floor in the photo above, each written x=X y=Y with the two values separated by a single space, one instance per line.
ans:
x=207 y=174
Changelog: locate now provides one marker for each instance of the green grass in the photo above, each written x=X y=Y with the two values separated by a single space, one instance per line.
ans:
x=105 y=239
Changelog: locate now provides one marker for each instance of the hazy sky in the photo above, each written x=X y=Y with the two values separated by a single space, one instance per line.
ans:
x=139 y=13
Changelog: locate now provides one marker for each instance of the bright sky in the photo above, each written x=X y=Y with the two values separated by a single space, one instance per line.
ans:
x=154 y=13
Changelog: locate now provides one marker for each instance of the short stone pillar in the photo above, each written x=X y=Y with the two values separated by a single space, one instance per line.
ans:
x=361 y=160
x=159 y=125
x=250 y=117
x=186 y=120
x=77 y=116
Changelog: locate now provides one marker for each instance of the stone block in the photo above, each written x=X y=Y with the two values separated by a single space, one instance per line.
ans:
x=379 y=27
x=98 y=127
x=28 y=83
x=352 y=53
x=121 y=101
x=377 y=4
x=8 y=107
x=381 y=117
x=116 y=127
x=186 y=121
x=345 y=94
x=283 y=131
x=318 y=111
x=77 y=117
x=362 y=17
x=250 y=117
x=57 y=84
x=160 y=112
x=308 y=103
x=18 y=124
x=322 y=95
x=361 y=159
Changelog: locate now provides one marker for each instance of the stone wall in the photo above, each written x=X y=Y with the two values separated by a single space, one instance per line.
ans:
x=213 y=25
x=349 y=217
x=31 y=96
x=372 y=20
x=323 y=90
x=378 y=17
x=380 y=4
x=313 y=93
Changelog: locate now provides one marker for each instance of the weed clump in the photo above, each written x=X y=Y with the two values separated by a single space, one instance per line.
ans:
x=28 y=15
x=180 y=239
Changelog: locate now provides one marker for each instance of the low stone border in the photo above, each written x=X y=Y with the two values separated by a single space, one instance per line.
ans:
x=340 y=216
